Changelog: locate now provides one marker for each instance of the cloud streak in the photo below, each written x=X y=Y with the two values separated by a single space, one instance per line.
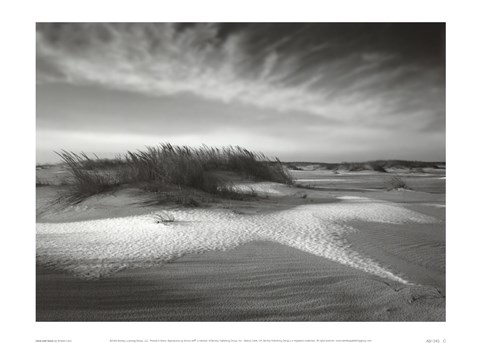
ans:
x=341 y=80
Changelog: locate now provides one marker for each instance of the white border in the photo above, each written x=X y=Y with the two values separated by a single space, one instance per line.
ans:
x=18 y=150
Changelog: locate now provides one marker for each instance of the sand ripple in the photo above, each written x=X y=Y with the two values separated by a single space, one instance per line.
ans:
x=95 y=248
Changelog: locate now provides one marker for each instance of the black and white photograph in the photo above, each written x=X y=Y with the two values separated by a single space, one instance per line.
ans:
x=266 y=171
x=211 y=171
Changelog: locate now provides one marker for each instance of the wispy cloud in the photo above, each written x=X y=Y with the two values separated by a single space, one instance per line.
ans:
x=361 y=85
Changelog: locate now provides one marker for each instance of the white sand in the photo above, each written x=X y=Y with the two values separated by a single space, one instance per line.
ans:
x=437 y=205
x=352 y=197
x=270 y=188
x=95 y=248
x=322 y=180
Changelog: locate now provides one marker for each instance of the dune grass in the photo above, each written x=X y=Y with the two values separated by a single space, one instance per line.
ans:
x=166 y=166
x=396 y=182
x=86 y=181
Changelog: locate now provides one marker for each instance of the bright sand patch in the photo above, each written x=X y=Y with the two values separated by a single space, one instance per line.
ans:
x=96 y=248
x=270 y=188
x=322 y=180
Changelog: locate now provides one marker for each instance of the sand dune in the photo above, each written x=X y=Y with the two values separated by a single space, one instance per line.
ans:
x=95 y=248
x=300 y=254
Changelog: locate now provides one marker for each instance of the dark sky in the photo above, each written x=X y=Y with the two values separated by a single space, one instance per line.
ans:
x=318 y=92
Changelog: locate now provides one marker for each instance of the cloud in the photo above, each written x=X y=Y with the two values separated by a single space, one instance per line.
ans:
x=360 y=85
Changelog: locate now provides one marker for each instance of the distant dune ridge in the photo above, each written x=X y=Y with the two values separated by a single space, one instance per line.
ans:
x=378 y=165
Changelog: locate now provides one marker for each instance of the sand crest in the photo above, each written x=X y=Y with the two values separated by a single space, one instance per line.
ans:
x=95 y=248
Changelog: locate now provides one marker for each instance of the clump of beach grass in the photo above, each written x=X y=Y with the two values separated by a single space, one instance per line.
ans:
x=183 y=165
x=86 y=181
x=396 y=182
x=166 y=166
x=164 y=217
